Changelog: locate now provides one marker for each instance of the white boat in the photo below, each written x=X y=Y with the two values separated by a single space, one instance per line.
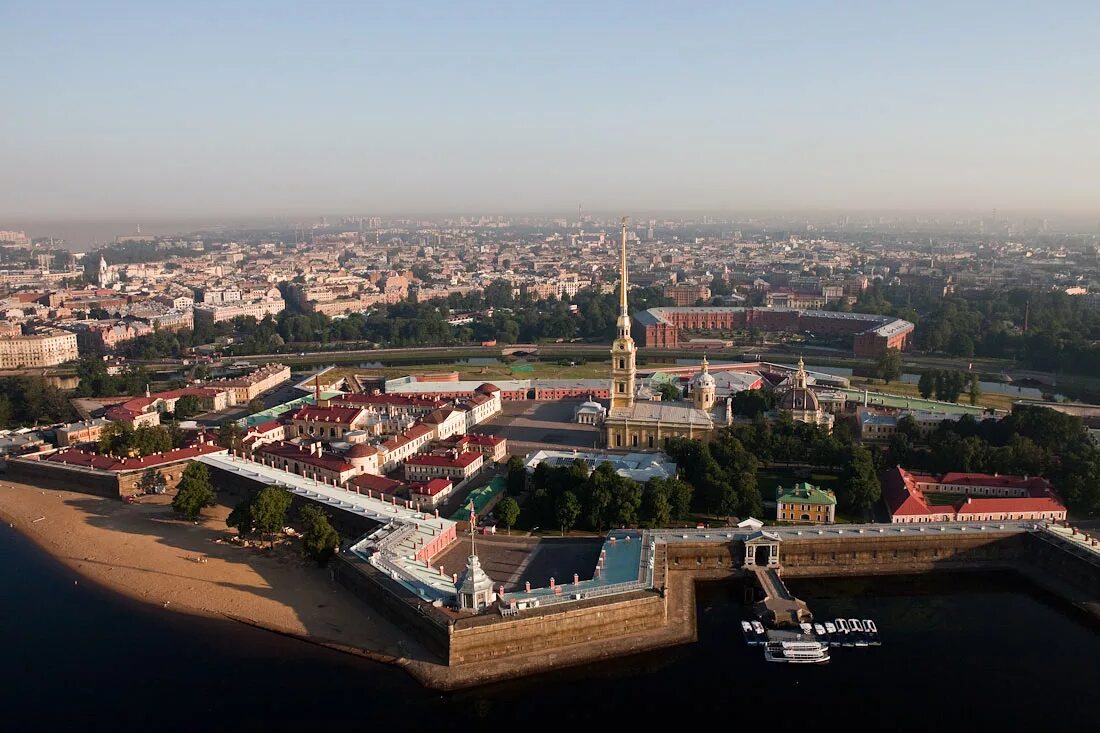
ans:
x=830 y=629
x=758 y=628
x=857 y=632
x=806 y=628
x=819 y=630
x=872 y=632
x=842 y=632
x=749 y=634
x=797 y=652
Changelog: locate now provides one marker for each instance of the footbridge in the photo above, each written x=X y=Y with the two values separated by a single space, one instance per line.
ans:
x=779 y=606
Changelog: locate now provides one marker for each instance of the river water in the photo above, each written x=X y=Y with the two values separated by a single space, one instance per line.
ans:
x=960 y=652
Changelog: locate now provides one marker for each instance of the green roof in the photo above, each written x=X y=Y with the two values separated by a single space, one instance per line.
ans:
x=480 y=497
x=805 y=493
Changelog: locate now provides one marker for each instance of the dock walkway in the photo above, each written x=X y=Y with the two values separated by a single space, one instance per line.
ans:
x=779 y=606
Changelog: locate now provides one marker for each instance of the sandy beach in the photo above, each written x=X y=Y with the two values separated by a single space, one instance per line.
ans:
x=144 y=551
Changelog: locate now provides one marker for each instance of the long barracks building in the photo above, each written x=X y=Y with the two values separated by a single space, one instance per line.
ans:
x=872 y=334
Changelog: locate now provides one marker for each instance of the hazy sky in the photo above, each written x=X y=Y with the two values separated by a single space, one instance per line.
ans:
x=156 y=109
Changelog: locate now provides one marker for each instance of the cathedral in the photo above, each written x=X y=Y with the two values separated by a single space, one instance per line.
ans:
x=634 y=424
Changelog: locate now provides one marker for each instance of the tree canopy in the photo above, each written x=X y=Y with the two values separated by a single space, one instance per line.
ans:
x=194 y=492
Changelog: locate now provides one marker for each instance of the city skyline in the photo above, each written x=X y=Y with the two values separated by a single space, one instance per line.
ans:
x=207 y=112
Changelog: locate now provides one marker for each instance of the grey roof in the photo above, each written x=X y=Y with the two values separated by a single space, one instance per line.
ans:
x=664 y=412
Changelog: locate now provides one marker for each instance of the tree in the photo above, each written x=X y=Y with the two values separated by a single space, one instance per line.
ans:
x=567 y=511
x=975 y=389
x=268 y=510
x=656 y=506
x=319 y=540
x=517 y=476
x=116 y=439
x=927 y=383
x=241 y=517
x=187 y=406
x=255 y=405
x=669 y=392
x=230 y=435
x=752 y=402
x=150 y=439
x=508 y=511
x=860 y=482
x=152 y=482
x=194 y=491
x=888 y=366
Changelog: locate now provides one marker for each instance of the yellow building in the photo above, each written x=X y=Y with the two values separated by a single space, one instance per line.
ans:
x=805 y=502
x=649 y=425
x=48 y=347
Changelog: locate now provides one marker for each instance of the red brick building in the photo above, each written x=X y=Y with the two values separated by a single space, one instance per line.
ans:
x=872 y=334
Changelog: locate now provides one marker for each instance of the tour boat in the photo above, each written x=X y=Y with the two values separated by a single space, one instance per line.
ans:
x=857 y=632
x=758 y=628
x=750 y=635
x=797 y=652
x=806 y=628
x=819 y=630
x=872 y=632
x=830 y=629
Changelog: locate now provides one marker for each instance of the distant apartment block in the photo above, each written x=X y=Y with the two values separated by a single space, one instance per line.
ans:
x=48 y=347
x=252 y=385
x=687 y=294
x=209 y=314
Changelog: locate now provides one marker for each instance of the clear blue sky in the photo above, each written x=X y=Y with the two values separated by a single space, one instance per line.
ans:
x=153 y=109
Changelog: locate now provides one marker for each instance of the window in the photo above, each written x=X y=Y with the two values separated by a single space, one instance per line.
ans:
x=621 y=387
x=622 y=363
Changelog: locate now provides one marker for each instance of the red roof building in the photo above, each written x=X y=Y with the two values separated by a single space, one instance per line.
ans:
x=309 y=461
x=454 y=465
x=101 y=462
x=910 y=497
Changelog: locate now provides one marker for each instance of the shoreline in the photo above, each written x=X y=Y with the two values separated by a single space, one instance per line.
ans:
x=134 y=550
x=245 y=585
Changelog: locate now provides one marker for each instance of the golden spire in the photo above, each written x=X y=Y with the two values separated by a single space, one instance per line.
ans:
x=622 y=274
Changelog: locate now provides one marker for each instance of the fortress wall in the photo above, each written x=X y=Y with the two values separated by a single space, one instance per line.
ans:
x=869 y=555
x=1070 y=569
x=582 y=626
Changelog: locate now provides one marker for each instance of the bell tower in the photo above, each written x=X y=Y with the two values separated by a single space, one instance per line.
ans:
x=623 y=366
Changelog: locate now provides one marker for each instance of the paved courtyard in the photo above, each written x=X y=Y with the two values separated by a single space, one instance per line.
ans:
x=513 y=560
x=530 y=425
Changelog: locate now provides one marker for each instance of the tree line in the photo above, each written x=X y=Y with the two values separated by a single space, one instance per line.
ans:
x=263 y=513
x=409 y=323
x=1034 y=441
x=1045 y=330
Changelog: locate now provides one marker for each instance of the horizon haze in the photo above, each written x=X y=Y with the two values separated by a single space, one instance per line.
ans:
x=203 y=111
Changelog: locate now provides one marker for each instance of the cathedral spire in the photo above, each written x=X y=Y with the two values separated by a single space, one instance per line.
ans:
x=622 y=274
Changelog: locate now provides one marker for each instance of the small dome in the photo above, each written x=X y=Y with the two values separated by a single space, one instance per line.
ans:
x=361 y=450
x=799 y=398
x=702 y=379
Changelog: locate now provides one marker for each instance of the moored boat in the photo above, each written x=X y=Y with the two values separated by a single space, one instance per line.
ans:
x=843 y=632
x=872 y=632
x=859 y=636
x=796 y=652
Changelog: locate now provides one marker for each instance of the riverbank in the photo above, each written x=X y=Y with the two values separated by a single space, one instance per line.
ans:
x=144 y=552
